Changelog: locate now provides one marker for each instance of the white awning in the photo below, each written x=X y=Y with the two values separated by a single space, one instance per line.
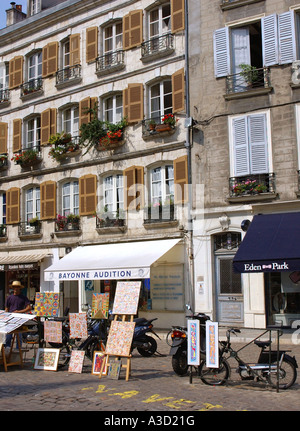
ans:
x=130 y=260
x=11 y=258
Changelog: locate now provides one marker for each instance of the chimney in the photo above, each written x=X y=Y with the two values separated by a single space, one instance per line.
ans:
x=14 y=14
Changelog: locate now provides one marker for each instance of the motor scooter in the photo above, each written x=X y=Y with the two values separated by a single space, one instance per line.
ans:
x=145 y=344
x=179 y=342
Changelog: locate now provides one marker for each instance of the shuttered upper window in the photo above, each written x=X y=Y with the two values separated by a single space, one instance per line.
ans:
x=250 y=145
x=162 y=184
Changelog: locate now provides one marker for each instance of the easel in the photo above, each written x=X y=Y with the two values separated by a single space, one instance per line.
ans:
x=7 y=360
x=107 y=356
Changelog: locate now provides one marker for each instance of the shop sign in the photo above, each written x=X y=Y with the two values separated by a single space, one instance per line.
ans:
x=273 y=266
x=20 y=266
x=109 y=274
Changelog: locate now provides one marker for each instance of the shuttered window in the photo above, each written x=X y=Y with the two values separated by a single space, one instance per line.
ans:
x=16 y=72
x=178 y=91
x=133 y=29
x=48 y=125
x=17 y=135
x=50 y=59
x=221 y=52
x=87 y=194
x=91 y=44
x=270 y=40
x=181 y=180
x=177 y=14
x=48 y=200
x=134 y=188
x=85 y=105
x=250 y=145
x=13 y=205
x=3 y=138
x=133 y=103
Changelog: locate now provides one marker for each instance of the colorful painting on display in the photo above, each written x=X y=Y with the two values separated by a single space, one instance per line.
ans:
x=76 y=361
x=46 y=304
x=98 y=359
x=114 y=369
x=127 y=297
x=46 y=359
x=53 y=331
x=193 y=342
x=120 y=338
x=212 y=344
x=100 y=305
x=78 y=325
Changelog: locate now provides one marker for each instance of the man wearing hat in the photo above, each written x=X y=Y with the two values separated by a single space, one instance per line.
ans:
x=16 y=303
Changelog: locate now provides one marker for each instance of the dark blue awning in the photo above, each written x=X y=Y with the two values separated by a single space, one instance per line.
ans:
x=271 y=244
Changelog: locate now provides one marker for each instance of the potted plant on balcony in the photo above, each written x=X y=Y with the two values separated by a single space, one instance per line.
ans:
x=168 y=122
x=27 y=157
x=73 y=221
x=62 y=145
x=3 y=160
x=249 y=73
x=34 y=221
x=61 y=222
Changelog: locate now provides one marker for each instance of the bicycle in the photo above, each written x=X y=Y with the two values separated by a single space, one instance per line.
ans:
x=273 y=367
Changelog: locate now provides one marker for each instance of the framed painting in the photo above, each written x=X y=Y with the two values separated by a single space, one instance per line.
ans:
x=78 y=325
x=53 y=331
x=114 y=369
x=98 y=359
x=127 y=297
x=193 y=342
x=46 y=304
x=100 y=305
x=46 y=359
x=120 y=338
x=76 y=361
x=212 y=344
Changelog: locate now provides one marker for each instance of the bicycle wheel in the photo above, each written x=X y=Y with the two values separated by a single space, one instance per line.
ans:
x=214 y=376
x=287 y=374
x=64 y=356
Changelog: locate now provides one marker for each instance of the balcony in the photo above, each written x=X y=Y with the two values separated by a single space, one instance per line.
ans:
x=249 y=83
x=157 y=47
x=159 y=215
x=4 y=98
x=67 y=225
x=70 y=75
x=110 y=62
x=252 y=187
x=111 y=221
x=64 y=146
x=27 y=230
x=28 y=157
x=32 y=88
x=159 y=126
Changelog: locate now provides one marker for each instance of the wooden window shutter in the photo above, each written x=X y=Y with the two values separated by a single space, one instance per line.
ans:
x=221 y=52
x=3 y=138
x=177 y=15
x=74 y=49
x=269 y=39
x=50 y=59
x=87 y=194
x=130 y=194
x=17 y=135
x=181 y=179
x=135 y=103
x=258 y=143
x=84 y=114
x=136 y=28
x=125 y=103
x=140 y=195
x=16 y=72
x=13 y=205
x=240 y=146
x=91 y=44
x=48 y=125
x=48 y=200
x=287 y=37
x=126 y=32
x=178 y=91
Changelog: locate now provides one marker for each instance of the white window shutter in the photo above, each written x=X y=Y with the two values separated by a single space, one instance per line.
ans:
x=221 y=52
x=258 y=143
x=269 y=35
x=240 y=146
x=287 y=38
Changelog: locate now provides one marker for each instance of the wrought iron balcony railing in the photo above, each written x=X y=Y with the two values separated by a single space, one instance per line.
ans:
x=110 y=219
x=157 y=45
x=159 y=213
x=251 y=185
x=247 y=81
x=32 y=86
x=26 y=228
x=68 y=74
x=110 y=61
x=4 y=95
x=67 y=224
x=156 y=125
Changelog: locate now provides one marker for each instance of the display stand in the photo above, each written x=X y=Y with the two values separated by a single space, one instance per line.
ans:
x=127 y=366
x=7 y=362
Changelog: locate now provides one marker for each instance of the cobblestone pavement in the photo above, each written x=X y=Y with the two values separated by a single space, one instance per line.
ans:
x=152 y=387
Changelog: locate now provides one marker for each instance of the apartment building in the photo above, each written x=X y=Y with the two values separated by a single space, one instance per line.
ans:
x=244 y=71
x=93 y=152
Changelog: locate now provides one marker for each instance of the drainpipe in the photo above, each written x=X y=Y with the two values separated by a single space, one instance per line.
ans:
x=188 y=125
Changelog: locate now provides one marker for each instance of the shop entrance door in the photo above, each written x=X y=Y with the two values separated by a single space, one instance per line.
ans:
x=229 y=295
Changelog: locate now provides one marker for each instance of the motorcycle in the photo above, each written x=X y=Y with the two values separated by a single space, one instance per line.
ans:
x=145 y=344
x=179 y=342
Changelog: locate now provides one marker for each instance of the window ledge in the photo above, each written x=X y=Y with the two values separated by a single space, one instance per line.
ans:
x=250 y=93
x=110 y=69
x=238 y=3
x=252 y=198
x=30 y=236
x=157 y=54
x=32 y=95
x=4 y=103
x=154 y=224
x=68 y=83
x=66 y=233
x=113 y=229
